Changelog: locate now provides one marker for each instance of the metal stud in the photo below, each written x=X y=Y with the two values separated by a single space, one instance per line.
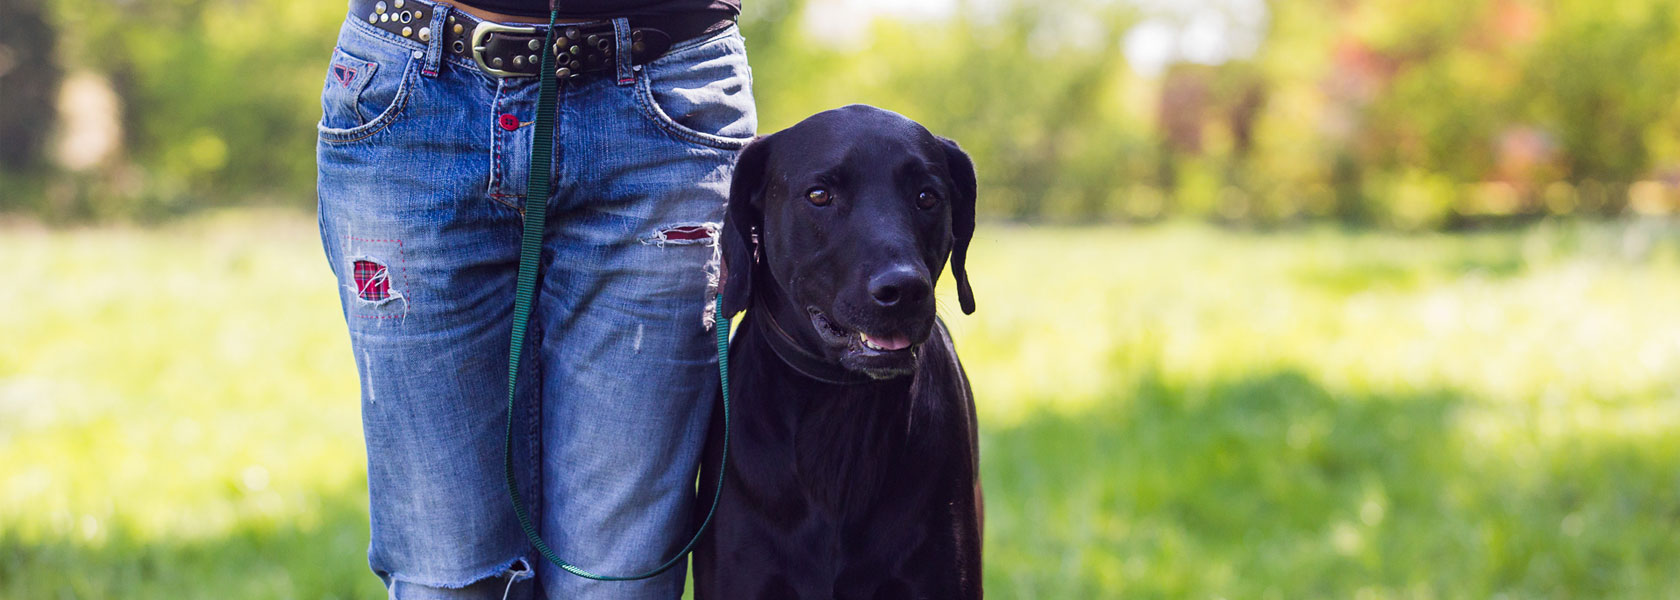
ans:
x=373 y=18
x=534 y=44
x=576 y=66
x=575 y=50
x=592 y=39
x=397 y=3
x=572 y=32
x=563 y=73
x=417 y=15
x=407 y=31
x=425 y=34
x=518 y=61
x=496 y=62
x=379 y=7
x=638 y=47
x=636 y=35
x=451 y=19
x=457 y=27
x=534 y=59
x=384 y=18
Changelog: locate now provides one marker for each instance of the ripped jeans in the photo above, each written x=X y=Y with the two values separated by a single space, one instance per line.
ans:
x=423 y=162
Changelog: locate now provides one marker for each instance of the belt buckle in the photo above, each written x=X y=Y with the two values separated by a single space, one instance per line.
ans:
x=483 y=30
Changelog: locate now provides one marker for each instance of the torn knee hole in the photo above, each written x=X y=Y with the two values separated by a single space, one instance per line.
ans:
x=684 y=233
x=373 y=280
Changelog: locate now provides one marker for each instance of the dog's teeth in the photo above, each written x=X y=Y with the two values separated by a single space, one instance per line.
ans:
x=869 y=342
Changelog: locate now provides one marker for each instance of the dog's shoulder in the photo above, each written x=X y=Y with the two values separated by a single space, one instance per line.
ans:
x=941 y=393
x=938 y=370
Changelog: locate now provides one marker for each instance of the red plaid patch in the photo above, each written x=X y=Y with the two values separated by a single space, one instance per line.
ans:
x=373 y=281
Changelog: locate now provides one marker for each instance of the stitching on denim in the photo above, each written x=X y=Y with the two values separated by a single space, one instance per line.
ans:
x=496 y=176
x=402 y=268
x=501 y=199
x=651 y=110
x=379 y=123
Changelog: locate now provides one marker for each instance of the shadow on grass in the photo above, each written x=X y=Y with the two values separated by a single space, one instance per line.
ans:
x=1272 y=487
x=324 y=558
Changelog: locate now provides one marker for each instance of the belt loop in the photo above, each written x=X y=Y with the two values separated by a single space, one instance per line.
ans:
x=434 y=47
x=621 y=50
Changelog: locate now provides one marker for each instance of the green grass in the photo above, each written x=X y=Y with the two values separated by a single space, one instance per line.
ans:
x=1166 y=412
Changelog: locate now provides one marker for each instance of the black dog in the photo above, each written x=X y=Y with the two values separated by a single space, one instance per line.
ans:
x=853 y=461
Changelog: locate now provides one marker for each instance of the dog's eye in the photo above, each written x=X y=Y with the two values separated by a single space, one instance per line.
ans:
x=818 y=196
x=927 y=199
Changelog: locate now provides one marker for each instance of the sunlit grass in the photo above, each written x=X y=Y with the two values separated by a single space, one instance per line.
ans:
x=1168 y=412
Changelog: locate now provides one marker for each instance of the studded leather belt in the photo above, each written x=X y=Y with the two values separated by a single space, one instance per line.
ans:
x=511 y=50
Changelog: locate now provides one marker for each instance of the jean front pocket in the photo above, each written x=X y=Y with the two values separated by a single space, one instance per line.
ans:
x=363 y=96
x=702 y=94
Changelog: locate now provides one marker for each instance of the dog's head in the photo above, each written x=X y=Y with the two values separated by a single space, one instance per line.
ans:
x=841 y=224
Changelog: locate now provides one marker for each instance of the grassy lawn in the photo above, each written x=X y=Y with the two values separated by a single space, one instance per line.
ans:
x=1168 y=412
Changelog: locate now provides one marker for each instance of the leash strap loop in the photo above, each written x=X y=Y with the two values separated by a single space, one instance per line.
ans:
x=530 y=250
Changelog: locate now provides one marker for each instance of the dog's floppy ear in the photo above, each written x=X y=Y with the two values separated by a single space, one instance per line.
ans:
x=741 y=218
x=961 y=170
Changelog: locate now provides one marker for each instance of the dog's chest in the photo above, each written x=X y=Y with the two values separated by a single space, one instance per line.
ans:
x=859 y=474
x=849 y=452
x=845 y=492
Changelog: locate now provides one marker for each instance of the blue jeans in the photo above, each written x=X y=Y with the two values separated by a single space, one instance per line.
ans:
x=423 y=162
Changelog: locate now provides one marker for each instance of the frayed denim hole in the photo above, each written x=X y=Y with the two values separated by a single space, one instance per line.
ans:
x=679 y=234
x=517 y=571
x=696 y=233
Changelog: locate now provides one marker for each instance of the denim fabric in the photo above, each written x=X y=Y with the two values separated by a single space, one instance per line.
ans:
x=423 y=163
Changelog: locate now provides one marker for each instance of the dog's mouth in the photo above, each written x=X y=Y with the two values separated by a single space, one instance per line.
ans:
x=878 y=353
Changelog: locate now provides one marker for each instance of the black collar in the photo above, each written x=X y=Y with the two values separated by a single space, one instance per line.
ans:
x=801 y=360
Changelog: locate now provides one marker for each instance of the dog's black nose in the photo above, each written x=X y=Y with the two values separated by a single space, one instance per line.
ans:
x=899 y=284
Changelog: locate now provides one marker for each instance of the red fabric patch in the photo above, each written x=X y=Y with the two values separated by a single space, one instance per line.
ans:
x=508 y=122
x=687 y=232
x=373 y=281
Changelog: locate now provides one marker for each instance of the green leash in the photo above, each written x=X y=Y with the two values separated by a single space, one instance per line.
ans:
x=530 y=248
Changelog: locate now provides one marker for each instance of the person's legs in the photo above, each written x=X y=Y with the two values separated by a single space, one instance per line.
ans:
x=630 y=369
x=425 y=260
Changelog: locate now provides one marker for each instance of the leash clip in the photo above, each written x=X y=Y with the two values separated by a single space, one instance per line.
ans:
x=482 y=31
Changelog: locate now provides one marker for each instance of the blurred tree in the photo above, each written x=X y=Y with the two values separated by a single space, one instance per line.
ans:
x=219 y=97
x=29 y=77
x=1400 y=113
x=1604 y=81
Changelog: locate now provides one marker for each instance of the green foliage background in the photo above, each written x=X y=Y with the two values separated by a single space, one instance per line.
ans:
x=1385 y=112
